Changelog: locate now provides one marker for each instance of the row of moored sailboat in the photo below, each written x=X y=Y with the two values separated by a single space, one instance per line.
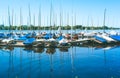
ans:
x=37 y=39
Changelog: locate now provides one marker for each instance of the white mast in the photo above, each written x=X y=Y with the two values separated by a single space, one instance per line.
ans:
x=12 y=17
x=72 y=20
x=9 y=21
x=39 y=18
x=29 y=17
x=20 y=19
x=33 y=20
x=75 y=22
x=104 y=20
x=60 y=18
x=50 y=15
x=67 y=20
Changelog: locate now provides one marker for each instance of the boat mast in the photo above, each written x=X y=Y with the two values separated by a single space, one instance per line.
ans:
x=20 y=19
x=9 y=21
x=33 y=21
x=48 y=21
x=51 y=16
x=86 y=29
x=2 y=23
x=15 y=22
x=39 y=18
x=12 y=18
x=67 y=20
x=104 y=20
x=72 y=20
x=92 y=23
x=55 y=23
x=44 y=24
x=29 y=17
x=98 y=23
x=72 y=24
x=60 y=18
x=75 y=22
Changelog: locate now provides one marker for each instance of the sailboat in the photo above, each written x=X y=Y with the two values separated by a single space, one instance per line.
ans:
x=29 y=41
x=39 y=42
x=51 y=42
x=38 y=34
x=63 y=41
x=9 y=35
x=105 y=35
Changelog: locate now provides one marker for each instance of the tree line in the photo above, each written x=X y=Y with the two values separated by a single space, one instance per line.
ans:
x=68 y=27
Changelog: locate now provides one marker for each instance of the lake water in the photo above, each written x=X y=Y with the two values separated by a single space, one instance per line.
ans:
x=74 y=62
x=64 y=31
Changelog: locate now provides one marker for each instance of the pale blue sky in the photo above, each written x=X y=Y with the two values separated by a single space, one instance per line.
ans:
x=83 y=9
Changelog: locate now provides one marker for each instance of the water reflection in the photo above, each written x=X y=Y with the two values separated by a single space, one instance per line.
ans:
x=1 y=47
x=72 y=59
x=11 y=60
x=39 y=50
x=28 y=49
x=30 y=64
x=6 y=48
x=21 y=59
x=105 y=60
x=59 y=62
x=50 y=50
x=63 y=49
x=10 y=48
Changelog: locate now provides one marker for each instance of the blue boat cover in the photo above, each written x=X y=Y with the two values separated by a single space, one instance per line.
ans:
x=29 y=41
x=60 y=38
x=22 y=38
x=28 y=35
x=2 y=35
x=100 y=39
x=47 y=36
x=115 y=37
x=9 y=35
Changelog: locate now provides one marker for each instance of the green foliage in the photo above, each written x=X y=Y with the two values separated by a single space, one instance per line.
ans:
x=68 y=27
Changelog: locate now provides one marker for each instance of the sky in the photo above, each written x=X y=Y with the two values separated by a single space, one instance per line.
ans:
x=70 y=12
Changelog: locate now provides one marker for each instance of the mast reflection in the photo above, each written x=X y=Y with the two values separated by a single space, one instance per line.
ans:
x=21 y=59
x=51 y=51
x=72 y=59
x=11 y=62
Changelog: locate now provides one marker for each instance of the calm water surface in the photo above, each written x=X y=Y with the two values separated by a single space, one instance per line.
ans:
x=64 y=31
x=74 y=62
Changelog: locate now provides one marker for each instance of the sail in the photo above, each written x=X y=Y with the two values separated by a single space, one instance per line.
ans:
x=59 y=29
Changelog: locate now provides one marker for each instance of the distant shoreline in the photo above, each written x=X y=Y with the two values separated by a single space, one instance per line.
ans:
x=68 y=27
